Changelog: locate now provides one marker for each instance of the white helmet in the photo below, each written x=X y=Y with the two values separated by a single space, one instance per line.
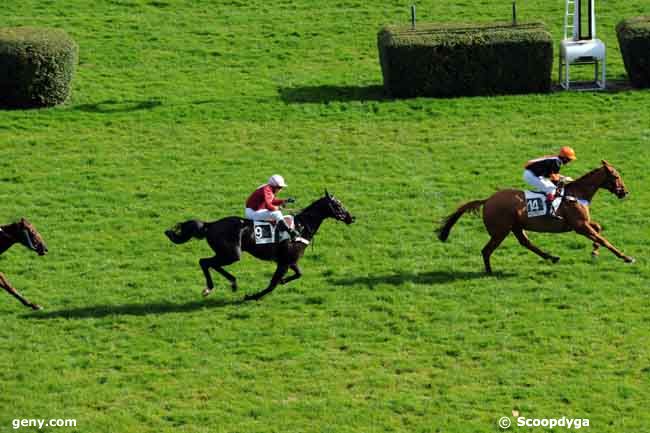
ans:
x=277 y=181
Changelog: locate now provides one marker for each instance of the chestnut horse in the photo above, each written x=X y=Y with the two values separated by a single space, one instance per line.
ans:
x=505 y=211
x=21 y=232
x=229 y=236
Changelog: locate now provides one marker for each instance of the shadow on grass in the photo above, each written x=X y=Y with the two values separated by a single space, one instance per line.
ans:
x=612 y=86
x=112 y=106
x=319 y=94
x=433 y=277
x=99 y=311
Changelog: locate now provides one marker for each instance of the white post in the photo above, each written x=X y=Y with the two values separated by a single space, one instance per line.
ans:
x=576 y=20
x=592 y=18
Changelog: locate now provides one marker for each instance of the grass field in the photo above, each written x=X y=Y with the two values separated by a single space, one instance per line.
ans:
x=181 y=108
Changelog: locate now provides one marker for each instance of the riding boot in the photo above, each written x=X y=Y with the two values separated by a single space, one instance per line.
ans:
x=293 y=234
x=553 y=210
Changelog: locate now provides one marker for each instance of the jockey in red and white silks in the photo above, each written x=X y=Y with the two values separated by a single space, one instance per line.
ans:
x=262 y=205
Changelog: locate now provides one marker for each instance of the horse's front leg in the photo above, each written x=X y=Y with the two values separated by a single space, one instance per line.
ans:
x=275 y=280
x=297 y=274
x=588 y=231
x=7 y=286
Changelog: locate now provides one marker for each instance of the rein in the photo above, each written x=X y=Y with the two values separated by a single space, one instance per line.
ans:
x=29 y=240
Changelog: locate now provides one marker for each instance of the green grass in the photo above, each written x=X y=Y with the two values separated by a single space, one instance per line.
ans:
x=180 y=109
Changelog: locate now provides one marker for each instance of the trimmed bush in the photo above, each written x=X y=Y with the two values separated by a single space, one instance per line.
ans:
x=36 y=66
x=634 y=40
x=465 y=60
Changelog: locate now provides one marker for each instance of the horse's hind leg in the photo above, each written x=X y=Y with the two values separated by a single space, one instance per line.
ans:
x=5 y=284
x=217 y=264
x=489 y=248
x=520 y=234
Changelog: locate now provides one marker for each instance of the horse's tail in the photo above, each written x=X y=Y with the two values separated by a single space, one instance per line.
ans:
x=448 y=223
x=183 y=232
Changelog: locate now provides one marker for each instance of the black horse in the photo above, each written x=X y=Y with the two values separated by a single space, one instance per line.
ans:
x=229 y=236
x=24 y=233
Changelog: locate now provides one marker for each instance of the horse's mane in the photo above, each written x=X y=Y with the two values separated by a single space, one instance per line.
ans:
x=6 y=226
x=309 y=208
x=586 y=175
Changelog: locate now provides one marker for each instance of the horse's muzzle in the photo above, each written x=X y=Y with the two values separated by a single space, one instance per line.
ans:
x=621 y=193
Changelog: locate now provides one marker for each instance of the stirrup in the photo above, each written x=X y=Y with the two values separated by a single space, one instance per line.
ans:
x=301 y=239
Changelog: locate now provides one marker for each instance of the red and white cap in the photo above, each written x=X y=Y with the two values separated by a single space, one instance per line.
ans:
x=277 y=181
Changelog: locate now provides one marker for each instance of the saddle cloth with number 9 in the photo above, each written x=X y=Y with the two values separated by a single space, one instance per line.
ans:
x=268 y=233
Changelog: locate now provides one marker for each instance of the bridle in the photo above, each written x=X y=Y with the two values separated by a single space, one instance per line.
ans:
x=338 y=212
x=613 y=183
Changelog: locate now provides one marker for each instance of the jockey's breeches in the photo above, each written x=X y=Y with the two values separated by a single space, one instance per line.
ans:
x=539 y=182
x=263 y=215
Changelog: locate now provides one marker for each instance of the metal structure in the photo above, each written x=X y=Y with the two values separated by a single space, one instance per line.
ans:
x=580 y=46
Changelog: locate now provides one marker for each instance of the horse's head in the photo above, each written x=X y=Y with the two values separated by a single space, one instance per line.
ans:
x=337 y=210
x=613 y=181
x=26 y=234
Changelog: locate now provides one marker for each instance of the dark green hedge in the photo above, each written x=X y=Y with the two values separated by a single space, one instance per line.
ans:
x=465 y=60
x=36 y=66
x=634 y=40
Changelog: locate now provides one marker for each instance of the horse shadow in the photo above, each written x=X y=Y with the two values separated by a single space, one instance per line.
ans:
x=428 y=278
x=328 y=93
x=100 y=311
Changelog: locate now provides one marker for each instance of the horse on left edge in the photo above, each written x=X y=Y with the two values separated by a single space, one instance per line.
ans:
x=24 y=233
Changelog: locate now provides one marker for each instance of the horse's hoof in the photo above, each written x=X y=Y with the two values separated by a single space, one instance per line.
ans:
x=233 y=286
x=554 y=259
x=250 y=298
x=629 y=260
x=36 y=307
x=206 y=291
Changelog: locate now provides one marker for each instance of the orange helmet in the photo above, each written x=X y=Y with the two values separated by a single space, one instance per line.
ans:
x=568 y=153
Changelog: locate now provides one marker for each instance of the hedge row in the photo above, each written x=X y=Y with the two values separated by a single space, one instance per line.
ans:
x=36 y=66
x=465 y=60
x=634 y=40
